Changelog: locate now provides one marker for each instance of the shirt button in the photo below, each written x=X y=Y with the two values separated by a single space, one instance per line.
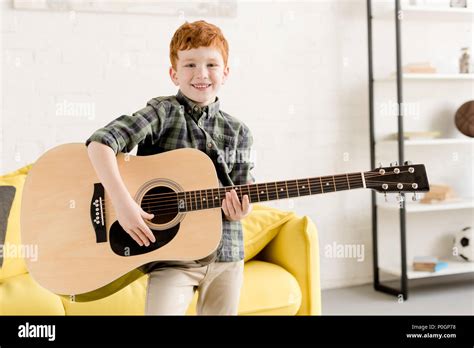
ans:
x=209 y=145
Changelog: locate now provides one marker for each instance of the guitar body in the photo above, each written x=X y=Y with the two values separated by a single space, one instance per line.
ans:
x=82 y=248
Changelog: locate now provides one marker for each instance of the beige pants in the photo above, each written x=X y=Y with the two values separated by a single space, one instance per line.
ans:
x=170 y=290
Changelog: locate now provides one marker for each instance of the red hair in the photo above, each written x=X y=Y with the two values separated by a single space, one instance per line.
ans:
x=195 y=35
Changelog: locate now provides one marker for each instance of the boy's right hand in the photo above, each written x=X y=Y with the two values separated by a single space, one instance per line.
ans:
x=131 y=217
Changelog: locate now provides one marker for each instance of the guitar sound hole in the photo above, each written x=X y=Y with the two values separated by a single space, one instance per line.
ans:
x=161 y=201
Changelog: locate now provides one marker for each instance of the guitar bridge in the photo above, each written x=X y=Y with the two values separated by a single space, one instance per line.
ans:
x=97 y=213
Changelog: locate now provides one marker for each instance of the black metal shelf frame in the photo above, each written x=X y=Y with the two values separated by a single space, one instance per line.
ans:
x=403 y=290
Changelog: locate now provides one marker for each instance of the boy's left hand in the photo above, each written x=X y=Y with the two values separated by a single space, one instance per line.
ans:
x=232 y=207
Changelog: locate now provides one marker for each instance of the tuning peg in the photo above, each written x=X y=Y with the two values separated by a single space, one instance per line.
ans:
x=407 y=163
x=385 y=196
x=394 y=164
x=380 y=165
x=415 y=197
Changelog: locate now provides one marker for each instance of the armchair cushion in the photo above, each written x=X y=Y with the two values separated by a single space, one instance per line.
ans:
x=12 y=187
x=21 y=295
x=260 y=227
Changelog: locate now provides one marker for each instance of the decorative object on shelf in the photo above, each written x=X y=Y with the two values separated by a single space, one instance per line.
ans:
x=458 y=3
x=463 y=244
x=416 y=135
x=464 y=118
x=464 y=61
x=419 y=68
x=439 y=193
x=428 y=264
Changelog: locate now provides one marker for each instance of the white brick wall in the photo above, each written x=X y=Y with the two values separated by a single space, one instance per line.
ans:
x=298 y=79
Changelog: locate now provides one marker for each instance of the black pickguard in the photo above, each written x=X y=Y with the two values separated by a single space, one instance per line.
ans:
x=124 y=245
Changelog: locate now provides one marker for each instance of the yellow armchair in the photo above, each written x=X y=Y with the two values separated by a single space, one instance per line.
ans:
x=281 y=272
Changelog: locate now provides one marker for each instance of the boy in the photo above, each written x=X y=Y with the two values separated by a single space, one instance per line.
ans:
x=192 y=118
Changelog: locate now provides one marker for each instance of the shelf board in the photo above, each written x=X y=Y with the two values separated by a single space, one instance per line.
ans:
x=417 y=207
x=434 y=141
x=454 y=267
x=430 y=13
x=429 y=77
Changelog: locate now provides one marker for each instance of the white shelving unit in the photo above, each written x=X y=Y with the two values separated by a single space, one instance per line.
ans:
x=429 y=148
x=417 y=207
x=430 y=142
x=431 y=13
x=454 y=267
x=429 y=77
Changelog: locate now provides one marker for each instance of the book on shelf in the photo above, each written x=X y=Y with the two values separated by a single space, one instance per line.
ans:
x=428 y=264
x=419 y=68
x=416 y=135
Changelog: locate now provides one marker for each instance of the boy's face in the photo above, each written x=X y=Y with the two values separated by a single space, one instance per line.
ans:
x=199 y=73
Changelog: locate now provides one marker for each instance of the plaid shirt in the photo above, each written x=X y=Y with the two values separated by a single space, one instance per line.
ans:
x=168 y=123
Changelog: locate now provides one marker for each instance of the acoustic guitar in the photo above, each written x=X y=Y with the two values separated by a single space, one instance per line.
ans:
x=84 y=253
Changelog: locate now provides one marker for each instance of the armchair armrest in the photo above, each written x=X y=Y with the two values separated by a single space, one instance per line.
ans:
x=296 y=248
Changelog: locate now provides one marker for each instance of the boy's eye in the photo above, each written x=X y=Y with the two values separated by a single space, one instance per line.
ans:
x=190 y=65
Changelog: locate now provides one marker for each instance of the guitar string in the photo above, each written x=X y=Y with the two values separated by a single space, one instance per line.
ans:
x=194 y=200
x=205 y=205
x=172 y=196
x=152 y=198
x=313 y=181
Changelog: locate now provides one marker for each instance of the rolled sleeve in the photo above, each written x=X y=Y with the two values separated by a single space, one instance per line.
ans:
x=125 y=132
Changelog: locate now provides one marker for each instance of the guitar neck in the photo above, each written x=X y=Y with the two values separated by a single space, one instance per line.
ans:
x=271 y=191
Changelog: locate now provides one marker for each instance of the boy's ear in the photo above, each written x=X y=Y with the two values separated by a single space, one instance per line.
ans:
x=173 y=76
x=226 y=74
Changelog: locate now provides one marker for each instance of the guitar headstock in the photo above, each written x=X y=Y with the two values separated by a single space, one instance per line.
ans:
x=405 y=178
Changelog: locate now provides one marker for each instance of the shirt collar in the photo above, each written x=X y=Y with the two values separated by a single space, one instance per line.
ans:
x=195 y=110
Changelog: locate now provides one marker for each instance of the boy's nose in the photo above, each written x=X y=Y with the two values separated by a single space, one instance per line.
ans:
x=202 y=72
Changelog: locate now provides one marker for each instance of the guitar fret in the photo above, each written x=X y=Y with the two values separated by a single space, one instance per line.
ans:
x=248 y=193
x=212 y=198
x=239 y=193
x=272 y=191
x=219 y=197
x=342 y=182
x=293 y=192
x=327 y=183
x=303 y=188
x=255 y=193
x=259 y=192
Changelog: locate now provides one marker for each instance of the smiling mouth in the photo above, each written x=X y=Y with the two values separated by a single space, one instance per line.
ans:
x=201 y=87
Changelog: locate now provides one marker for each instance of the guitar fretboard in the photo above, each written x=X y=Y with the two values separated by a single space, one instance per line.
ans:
x=270 y=191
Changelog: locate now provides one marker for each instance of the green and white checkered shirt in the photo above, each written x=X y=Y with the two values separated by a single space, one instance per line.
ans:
x=172 y=122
